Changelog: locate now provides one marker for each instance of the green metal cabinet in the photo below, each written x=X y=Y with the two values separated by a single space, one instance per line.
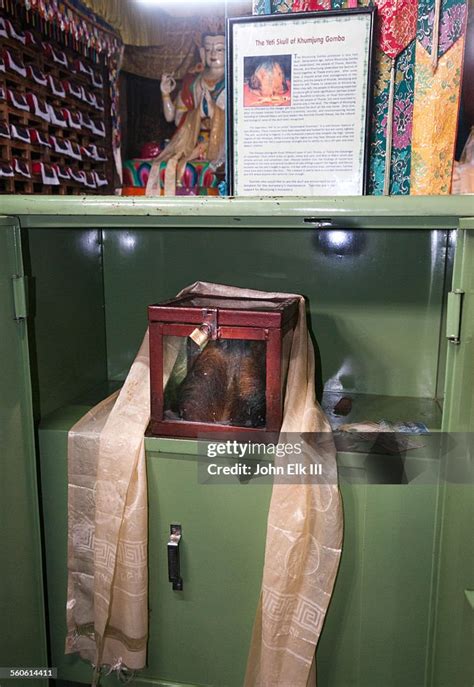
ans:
x=379 y=316
x=23 y=628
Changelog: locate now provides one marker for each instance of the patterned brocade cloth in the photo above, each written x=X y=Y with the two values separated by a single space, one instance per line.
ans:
x=436 y=97
x=402 y=122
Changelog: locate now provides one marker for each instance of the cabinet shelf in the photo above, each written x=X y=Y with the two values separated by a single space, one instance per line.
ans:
x=375 y=407
x=356 y=465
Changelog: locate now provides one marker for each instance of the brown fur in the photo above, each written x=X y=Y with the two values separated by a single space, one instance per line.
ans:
x=226 y=385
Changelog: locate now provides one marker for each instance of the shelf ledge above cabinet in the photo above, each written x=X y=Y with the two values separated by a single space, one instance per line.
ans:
x=342 y=212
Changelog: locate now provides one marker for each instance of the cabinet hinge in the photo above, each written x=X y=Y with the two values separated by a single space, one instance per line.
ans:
x=453 y=316
x=20 y=297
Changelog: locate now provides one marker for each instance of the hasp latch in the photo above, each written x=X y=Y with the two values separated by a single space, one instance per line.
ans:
x=208 y=329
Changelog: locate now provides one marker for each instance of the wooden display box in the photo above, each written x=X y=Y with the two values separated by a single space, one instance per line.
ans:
x=229 y=361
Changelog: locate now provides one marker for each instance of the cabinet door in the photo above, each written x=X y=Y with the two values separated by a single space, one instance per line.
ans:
x=23 y=632
x=458 y=412
x=452 y=664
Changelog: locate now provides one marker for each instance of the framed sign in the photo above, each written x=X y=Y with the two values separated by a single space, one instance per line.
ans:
x=298 y=103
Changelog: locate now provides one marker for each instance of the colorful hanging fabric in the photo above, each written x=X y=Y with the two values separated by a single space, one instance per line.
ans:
x=452 y=24
x=281 y=6
x=402 y=122
x=439 y=55
x=261 y=7
x=379 y=122
x=396 y=23
x=284 y=6
x=440 y=24
x=435 y=119
x=311 y=5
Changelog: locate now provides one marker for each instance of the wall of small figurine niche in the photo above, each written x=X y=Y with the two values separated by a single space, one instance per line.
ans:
x=55 y=134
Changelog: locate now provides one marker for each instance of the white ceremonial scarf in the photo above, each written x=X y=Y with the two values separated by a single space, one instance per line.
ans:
x=107 y=602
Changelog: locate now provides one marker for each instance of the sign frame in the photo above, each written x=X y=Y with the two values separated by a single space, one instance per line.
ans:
x=238 y=89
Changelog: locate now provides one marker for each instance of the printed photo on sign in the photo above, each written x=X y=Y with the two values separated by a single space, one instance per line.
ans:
x=267 y=81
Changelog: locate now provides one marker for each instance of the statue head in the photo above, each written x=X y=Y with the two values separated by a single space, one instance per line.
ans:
x=212 y=52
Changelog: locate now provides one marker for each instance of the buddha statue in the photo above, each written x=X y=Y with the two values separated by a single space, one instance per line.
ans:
x=198 y=112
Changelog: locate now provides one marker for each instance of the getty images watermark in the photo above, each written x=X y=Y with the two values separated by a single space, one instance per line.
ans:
x=286 y=461
x=331 y=457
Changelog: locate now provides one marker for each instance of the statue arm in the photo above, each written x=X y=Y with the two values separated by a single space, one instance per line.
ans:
x=173 y=111
x=168 y=108
x=167 y=85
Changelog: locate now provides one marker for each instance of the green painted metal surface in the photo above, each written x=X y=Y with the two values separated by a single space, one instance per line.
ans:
x=451 y=659
x=67 y=320
x=210 y=622
x=458 y=413
x=22 y=633
x=452 y=662
x=375 y=312
x=376 y=632
x=430 y=212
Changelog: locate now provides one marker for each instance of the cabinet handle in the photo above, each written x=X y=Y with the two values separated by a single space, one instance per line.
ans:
x=174 y=573
x=454 y=315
